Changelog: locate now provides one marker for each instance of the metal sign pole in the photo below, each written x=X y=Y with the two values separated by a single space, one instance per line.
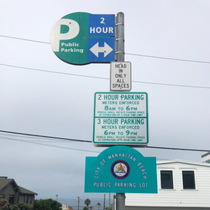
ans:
x=120 y=197
x=119 y=37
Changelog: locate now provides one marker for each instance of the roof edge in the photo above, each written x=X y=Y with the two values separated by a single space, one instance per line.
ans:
x=182 y=161
x=26 y=191
x=11 y=180
x=204 y=155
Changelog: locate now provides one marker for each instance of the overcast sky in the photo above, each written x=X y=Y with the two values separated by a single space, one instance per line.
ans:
x=37 y=98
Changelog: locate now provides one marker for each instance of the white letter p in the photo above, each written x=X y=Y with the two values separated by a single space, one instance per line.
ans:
x=56 y=35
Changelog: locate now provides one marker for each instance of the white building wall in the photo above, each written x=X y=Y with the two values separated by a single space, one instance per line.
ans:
x=177 y=197
x=65 y=207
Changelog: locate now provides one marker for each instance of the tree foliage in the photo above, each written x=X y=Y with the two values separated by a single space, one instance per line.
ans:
x=46 y=204
x=98 y=204
x=87 y=202
x=4 y=205
x=85 y=208
x=22 y=206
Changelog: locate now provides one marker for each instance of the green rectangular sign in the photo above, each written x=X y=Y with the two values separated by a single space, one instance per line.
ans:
x=121 y=169
x=120 y=118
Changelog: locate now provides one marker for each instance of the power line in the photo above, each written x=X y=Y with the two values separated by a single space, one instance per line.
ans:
x=59 y=147
x=53 y=72
x=49 y=145
x=167 y=58
x=87 y=141
x=133 y=54
x=94 y=77
x=172 y=85
x=43 y=136
x=29 y=40
x=32 y=138
x=183 y=149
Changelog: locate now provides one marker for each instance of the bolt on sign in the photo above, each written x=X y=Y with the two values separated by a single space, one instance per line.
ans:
x=82 y=38
x=120 y=169
x=120 y=118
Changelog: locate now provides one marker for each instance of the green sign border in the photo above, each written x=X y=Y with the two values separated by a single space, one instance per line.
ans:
x=120 y=143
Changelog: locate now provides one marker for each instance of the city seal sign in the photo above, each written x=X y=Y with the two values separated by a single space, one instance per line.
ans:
x=120 y=169
x=82 y=38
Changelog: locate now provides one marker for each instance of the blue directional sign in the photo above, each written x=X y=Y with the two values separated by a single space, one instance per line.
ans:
x=120 y=169
x=101 y=49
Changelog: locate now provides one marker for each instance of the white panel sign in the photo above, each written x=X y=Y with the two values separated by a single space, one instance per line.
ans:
x=120 y=131
x=120 y=118
x=120 y=76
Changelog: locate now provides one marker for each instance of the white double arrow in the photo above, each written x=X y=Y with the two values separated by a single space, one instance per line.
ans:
x=96 y=49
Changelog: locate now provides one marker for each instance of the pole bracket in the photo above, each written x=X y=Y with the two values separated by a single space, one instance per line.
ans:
x=119 y=24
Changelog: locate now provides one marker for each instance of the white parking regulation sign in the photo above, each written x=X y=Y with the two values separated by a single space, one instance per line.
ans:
x=120 y=76
x=120 y=118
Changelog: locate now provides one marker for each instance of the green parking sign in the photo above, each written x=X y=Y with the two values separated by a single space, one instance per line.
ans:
x=82 y=38
x=121 y=169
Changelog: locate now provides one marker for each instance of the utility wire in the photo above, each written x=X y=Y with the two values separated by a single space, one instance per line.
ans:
x=87 y=141
x=54 y=72
x=167 y=58
x=93 y=77
x=133 y=54
x=29 y=40
x=60 y=146
x=32 y=138
x=183 y=149
x=12 y=139
x=172 y=85
x=42 y=136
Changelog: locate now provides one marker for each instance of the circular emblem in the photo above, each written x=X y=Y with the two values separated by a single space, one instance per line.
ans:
x=120 y=169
